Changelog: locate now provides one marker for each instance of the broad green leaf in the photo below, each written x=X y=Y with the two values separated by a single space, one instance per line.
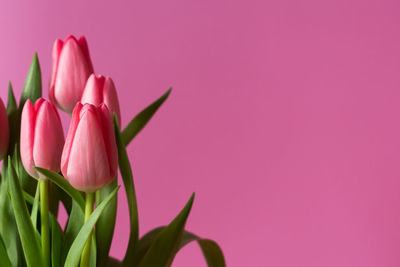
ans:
x=27 y=234
x=74 y=225
x=75 y=251
x=138 y=122
x=35 y=207
x=106 y=223
x=211 y=251
x=33 y=83
x=93 y=252
x=163 y=249
x=4 y=259
x=127 y=177
x=56 y=242
x=63 y=183
x=8 y=229
x=28 y=183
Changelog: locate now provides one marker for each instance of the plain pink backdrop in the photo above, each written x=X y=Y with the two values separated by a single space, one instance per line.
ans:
x=284 y=118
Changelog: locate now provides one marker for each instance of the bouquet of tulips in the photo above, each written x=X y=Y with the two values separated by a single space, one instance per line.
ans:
x=41 y=169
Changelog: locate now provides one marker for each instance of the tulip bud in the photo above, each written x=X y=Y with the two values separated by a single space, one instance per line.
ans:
x=5 y=131
x=100 y=89
x=90 y=158
x=71 y=68
x=42 y=137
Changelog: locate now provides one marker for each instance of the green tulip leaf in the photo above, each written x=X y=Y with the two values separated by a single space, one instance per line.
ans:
x=33 y=83
x=211 y=251
x=30 y=244
x=74 y=225
x=4 y=259
x=75 y=251
x=8 y=228
x=106 y=223
x=138 y=122
x=56 y=242
x=93 y=252
x=127 y=177
x=13 y=119
x=35 y=207
x=163 y=249
x=63 y=184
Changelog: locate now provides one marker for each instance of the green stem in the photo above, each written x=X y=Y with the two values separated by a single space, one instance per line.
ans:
x=44 y=213
x=85 y=259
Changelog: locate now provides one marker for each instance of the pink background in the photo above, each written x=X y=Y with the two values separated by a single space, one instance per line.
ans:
x=284 y=118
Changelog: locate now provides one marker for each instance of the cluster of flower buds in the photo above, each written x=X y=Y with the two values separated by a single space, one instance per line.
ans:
x=88 y=159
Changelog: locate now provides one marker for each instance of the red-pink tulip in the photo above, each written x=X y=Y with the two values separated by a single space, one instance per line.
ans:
x=100 y=89
x=71 y=68
x=4 y=132
x=42 y=137
x=89 y=159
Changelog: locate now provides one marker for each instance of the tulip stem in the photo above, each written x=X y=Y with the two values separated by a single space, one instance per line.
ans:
x=44 y=213
x=85 y=259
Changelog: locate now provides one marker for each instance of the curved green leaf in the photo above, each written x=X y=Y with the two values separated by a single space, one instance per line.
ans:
x=211 y=251
x=127 y=177
x=13 y=119
x=63 y=183
x=35 y=207
x=26 y=231
x=163 y=249
x=33 y=83
x=74 y=225
x=106 y=223
x=75 y=251
x=138 y=122
x=4 y=259
x=56 y=242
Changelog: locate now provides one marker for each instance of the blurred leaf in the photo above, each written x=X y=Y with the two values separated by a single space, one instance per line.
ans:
x=211 y=251
x=163 y=249
x=138 y=122
x=93 y=252
x=74 y=225
x=54 y=200
x=28 y=183
x=8 y=228
x=106 y=223
x=75 y=251
x=4 y=259
x=66 y=200
x=127 y=177
x=13 y=119
x=56 y=242
x=35 y=207
x=27 y=234
x=63 y=184
x=33 y=83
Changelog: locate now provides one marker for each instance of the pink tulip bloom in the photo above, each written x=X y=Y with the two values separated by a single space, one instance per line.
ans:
x=90 y=158
x=71 y=68
x=5 y=132
x=42 y=137
x=100 y=89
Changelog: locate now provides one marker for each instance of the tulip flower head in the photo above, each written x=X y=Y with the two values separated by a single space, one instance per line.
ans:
x=90 y=158
x=42 y=137
x=100 y=89
x=5 y=131
x=70 y=70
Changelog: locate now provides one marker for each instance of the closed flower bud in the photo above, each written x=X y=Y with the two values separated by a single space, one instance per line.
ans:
x=90 y=158
x=4 y=132
x=100 y=89
x=42 y=137
x=71 y=68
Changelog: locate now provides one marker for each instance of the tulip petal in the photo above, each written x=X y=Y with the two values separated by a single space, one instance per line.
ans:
x=72 y=73
x=109 y=139
x=48 y=139
x=85 y=49
x=58 y=44
x=27 y=137
x=93 y=92
x=88 y=168
x=110 y=97
x=70 y=137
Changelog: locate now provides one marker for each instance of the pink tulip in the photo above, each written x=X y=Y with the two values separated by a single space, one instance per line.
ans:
x=100 y=89
x=71 y=68
x=5 y=132
x=89 y=159
x=42 y=137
